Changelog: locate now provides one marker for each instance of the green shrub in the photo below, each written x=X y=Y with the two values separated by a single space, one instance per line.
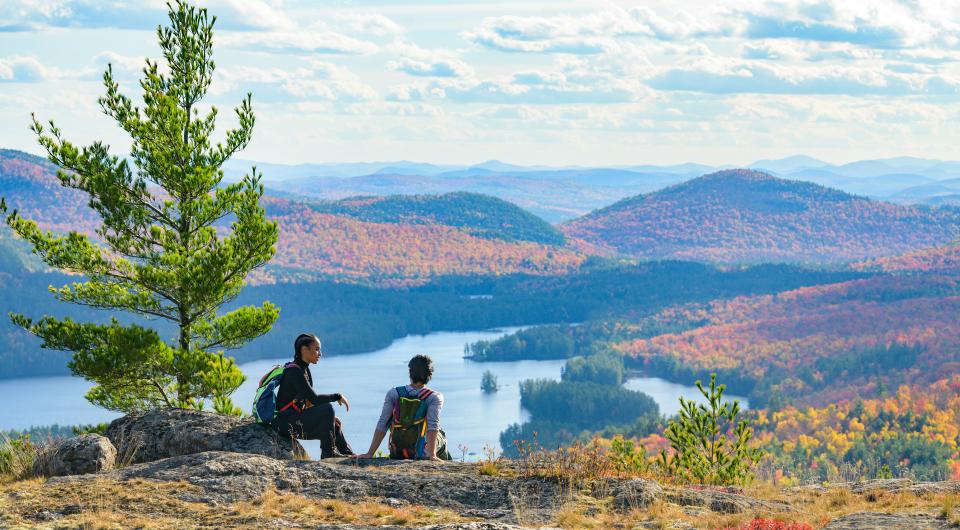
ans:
x=17 y=456
x=702 y=451
x=92 y=428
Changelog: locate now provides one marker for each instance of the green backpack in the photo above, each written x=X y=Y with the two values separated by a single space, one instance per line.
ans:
x=408 y=431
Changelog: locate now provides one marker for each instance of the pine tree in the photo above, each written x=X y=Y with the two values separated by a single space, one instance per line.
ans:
x=702 y=451
x=175 y=242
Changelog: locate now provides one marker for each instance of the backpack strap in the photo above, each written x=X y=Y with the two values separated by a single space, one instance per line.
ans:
x=292 y=404
x=401 y=393
x=422 y=395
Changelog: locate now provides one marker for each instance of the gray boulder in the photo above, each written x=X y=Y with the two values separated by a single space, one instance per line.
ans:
x=87 y=453
x=635 y=493
x=151 y=436
x=889 y=521
x=723 y=502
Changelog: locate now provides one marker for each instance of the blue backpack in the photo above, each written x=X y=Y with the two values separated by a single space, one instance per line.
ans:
x=265 y=400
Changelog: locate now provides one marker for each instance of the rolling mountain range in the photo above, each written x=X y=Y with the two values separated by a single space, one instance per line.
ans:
x=728 y=216
x=750 y=216
x=385 y=241
x=562 y=193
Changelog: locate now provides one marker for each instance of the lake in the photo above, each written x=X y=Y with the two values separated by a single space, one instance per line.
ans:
x=470 y=417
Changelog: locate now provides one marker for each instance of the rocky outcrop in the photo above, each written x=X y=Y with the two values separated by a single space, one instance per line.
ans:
x=723 y=502
x=897 y=485
x=53 y=516
x=635 y=493
x=889 y=521
x=224 y=478
x=230 y=477
x=890 y=485
x=162 y=434
x=87 y=453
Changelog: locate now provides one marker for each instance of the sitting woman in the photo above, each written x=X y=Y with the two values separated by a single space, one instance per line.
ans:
x=304 y=414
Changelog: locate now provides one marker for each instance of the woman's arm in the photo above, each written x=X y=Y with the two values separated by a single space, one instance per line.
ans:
x=303 y=391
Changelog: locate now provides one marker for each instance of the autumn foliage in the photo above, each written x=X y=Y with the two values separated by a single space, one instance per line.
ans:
x=316 y=245
x=771 y=524
x=748 y=216
x=942 y=259
x=915 y=430
x=815 y=345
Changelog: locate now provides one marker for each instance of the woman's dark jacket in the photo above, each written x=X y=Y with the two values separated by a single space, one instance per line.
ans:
x=297 y=385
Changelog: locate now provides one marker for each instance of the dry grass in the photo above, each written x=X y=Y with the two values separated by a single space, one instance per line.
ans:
x=104 y=504
x=948 y=510
x=815 y=508
x=275 y=505
x=490 y=464
x=107 y=504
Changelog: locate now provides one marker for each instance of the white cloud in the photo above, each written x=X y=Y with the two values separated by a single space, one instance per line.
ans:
x=733 y=77
x=420 y=62
x=374 y=24
x=389 y=108
x=868 y=23
x=773 y=51
x=258 y=14
x=545 y=87
x=320 y=81
x=27 y=15
x=593 y=33
x=300 y=41
x=26 y=69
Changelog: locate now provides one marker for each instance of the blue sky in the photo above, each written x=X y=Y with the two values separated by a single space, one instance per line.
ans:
x=533 y=82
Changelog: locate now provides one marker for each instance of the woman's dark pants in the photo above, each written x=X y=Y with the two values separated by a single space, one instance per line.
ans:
x=315 y=423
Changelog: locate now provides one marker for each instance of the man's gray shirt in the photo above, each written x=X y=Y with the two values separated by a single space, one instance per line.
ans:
x=434 y=404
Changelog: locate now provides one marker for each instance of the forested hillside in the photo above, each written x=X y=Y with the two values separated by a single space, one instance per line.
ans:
x=944 y=259
x=356 y=318
x=816 y=345
x=30 y=185
x=742 y=215
x=383 y=241
x=480 y=215
x=315 y=246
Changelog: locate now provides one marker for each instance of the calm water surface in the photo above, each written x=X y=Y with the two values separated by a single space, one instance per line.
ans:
x=667 y=394
x=470 y=417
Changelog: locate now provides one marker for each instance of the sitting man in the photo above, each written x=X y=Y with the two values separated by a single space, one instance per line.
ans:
x=412 y=415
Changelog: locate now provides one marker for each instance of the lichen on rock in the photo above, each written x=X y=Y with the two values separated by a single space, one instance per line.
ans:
x=159 y=434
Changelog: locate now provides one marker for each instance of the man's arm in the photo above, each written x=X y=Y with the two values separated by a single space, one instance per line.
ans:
x=433 y=425
x=430 y=449
x=380 y=431
x=374 y=444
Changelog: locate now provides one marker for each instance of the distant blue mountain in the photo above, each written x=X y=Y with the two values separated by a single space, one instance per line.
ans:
x=790 y=164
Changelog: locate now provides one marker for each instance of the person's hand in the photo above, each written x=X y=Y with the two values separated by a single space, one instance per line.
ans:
x=343 y=401
x=435 y=459
x=364 y=455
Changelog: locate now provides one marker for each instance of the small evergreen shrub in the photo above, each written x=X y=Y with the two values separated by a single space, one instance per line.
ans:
x=709 y=445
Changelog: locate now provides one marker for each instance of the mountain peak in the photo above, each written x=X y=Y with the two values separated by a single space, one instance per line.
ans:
x=743 y=215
